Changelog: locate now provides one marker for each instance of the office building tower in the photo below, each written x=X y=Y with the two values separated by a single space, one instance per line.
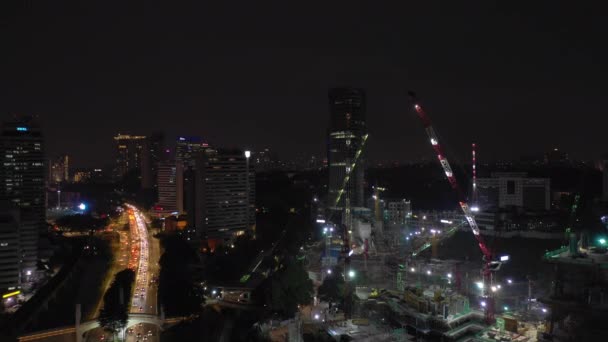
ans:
x=224 y=194
x=514 y=189
x=129 y=150
x=9 y=247
x=170 y=189
x=346 y=136
x=59 y=169
x=187 y=148
x=22 y=176
x=151 y=157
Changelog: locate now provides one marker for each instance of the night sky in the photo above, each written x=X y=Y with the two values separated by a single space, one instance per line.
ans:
x=515 y=77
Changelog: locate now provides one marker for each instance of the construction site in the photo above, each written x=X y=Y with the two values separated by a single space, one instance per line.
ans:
x=397 y=282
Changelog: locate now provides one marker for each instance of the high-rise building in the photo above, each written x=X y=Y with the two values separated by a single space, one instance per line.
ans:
x=22 y=176
x=129 y=150
x=346 y=136
x=151 y=157
x=59 y=169
x=170 y=189
x=187 y=148
x=224 y=194
x=10 y=260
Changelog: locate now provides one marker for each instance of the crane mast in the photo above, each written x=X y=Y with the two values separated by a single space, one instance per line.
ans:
x=488 y=264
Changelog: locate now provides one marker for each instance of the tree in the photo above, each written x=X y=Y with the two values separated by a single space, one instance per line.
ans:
x=81 y=223
x=288 y=288
x=332 y=289
x=178 y=292
x=114 y=315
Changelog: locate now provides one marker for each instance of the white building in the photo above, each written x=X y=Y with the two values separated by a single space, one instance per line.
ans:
x=514 y=189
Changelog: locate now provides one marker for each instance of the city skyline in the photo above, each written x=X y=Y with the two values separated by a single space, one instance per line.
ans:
x=491 y=74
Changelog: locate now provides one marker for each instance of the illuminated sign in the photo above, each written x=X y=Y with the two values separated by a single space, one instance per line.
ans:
x=22 y=129
x=10 y=294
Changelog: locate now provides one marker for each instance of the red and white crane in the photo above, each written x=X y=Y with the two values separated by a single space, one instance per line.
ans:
x=488 y=264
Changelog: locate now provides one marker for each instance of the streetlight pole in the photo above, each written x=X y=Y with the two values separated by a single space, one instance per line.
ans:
x=248 y=196
x=58 y=198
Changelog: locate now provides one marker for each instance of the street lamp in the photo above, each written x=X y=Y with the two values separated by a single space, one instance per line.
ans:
x=351 y=274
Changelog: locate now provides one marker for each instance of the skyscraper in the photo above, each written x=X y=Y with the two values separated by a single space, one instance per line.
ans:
x=152 y=155
x=129 y=151
x=170 y=189
x=224 y=201
x=22 y=176
x=188 y=148
x=346 y=136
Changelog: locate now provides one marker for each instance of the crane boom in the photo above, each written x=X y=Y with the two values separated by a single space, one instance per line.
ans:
x=488 y=264
x=445 y=164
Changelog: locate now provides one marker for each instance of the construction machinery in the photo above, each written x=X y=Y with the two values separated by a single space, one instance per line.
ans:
x=489 y=265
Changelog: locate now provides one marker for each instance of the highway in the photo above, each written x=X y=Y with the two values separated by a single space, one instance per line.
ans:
x=143 y=253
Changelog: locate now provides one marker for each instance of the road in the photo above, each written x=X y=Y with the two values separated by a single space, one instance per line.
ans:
x=140 y=252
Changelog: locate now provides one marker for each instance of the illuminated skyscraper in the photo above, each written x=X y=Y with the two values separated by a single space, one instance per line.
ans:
x=346 y=135
x=129 y=150
x=22 y=177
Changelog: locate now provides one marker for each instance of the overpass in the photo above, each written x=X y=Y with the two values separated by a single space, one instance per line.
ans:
x=80 y=329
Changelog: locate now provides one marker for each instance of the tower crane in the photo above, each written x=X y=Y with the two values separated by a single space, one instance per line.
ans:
x=489 y=265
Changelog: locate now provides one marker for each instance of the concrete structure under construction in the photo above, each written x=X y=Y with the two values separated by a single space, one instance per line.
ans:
x=578 y=301
x=346 y=139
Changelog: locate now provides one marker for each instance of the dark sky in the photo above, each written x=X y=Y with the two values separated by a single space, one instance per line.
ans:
x=515 y=77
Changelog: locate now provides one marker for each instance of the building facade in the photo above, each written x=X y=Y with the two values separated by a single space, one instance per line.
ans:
x=59 y=169
x=23 y=184
x=129 y=152
x=10 y=261
x=514 y=189
x=170 y=180
x=346 y=136
x=398 y=212
x=224 y=194
x=188 y=148
x=153 y=154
